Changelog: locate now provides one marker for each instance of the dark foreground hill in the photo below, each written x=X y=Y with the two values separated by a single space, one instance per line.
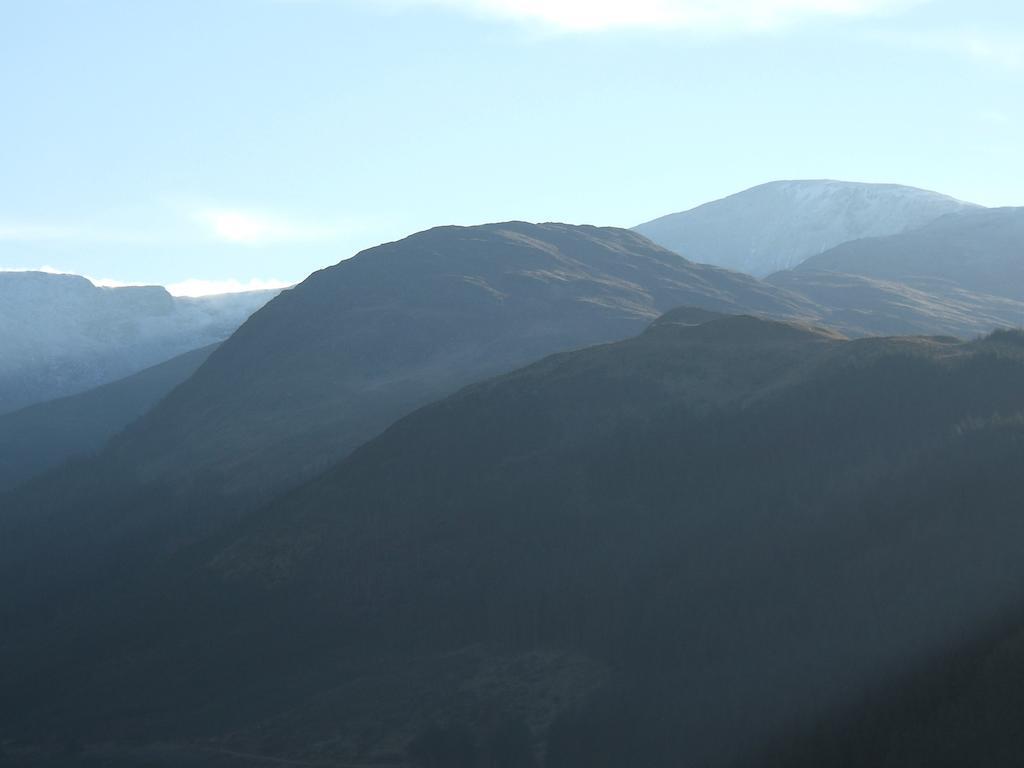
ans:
x=663 y=551
x=45 y=435
x=962 y=708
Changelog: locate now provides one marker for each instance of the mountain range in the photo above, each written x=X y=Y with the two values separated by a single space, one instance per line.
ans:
x=778 y=225
x=521 y=495
x=331 y=363
x=977 y=250
x=61 y=335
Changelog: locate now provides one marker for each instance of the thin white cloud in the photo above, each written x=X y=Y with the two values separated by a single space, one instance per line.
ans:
x=995 y=118
x=1000 y=49
x=1004 y=52
x=232 y=225
x=192 y=287
x=45 y=268
x=107 y=282
x=195 y=287
x=33 y=232
x=28 y=232
x=715 y=15
x=100 y=282
x=224 y=224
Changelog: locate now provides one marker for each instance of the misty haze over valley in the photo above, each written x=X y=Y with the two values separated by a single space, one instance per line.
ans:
x=504 y=385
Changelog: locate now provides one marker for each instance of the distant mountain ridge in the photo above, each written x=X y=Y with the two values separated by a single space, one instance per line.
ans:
x=870 y=306
x=42 y=436
x=778 y=225
x=60 y=334
x=976 y=250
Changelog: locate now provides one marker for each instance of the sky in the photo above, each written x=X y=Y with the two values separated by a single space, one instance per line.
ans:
x=214 y=145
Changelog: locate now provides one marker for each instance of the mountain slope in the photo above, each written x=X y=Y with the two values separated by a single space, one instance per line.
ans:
x=675 y=545
x=44 y=435
x=961 y=708
x=778 y=225
x=60 y=334
x=864 y=306
x=979 y=250
x=333 y=361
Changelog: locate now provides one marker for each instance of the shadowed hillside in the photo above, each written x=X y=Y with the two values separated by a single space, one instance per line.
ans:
x=864 y=306
x=45 y=435
x=331 y=363
x=338 y=358
x=675 y=546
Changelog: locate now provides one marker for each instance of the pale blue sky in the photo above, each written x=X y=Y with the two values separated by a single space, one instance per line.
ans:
x=168 y=140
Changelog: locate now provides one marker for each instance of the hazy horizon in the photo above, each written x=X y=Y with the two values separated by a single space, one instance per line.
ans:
x=246 y=143
x=198 y=287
